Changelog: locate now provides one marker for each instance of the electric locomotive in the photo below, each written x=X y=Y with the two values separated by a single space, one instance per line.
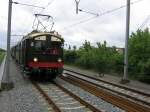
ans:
x=40 y=53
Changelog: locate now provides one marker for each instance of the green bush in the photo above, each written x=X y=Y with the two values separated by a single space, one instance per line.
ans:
x=100 y=58
x=70 y=56
x=105 y=59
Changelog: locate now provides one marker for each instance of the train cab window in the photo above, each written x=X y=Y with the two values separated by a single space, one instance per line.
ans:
x=55 y=39
x=40 y=43
x=56 y=42
x=40 y=38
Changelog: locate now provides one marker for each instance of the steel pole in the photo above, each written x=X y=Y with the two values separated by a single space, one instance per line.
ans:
x=7 y=77
x=126 y=41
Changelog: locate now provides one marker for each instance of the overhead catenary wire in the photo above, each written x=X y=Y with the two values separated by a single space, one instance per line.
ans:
x=14 y=35
x=30 y=5
x=90 y=18
x=43 y=8
x=145 y=22
x=27 y=5
x=96 y=14
x=48 y=4
x=99 y=15
x=80 y=22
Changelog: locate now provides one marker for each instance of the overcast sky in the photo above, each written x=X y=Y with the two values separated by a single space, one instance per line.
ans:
x=109 y=27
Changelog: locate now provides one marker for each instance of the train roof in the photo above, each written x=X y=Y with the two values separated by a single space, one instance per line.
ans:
x=36 y=33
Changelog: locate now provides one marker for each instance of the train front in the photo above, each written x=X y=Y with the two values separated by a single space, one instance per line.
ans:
x=45 y=56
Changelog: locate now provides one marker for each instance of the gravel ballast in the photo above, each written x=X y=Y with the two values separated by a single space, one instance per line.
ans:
x=96 y=101
x=23 y=97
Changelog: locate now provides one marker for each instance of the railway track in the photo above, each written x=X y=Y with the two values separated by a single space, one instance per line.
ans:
x=62 y=100
x=123 y=97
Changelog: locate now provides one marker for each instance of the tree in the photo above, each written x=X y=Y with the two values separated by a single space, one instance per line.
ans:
x=74 y=47
x=69 y=47
x=139 y=53
x=87 y=45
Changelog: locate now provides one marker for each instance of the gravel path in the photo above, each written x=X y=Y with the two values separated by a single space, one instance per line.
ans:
x=23 y=97
x=97 y=102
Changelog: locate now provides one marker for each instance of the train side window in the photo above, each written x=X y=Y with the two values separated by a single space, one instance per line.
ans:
x=32 y=44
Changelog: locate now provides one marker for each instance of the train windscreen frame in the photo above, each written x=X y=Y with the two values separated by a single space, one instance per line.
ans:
x=44 y=42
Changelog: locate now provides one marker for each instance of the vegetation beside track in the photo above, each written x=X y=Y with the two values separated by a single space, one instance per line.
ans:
x=2 y=54
x=104 y=59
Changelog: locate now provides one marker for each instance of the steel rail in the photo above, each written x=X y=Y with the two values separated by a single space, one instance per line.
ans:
x=117 y=100
x=117 y=85
x=123 y=94
x=47 y=98
x=55 y=107
x=91 y=107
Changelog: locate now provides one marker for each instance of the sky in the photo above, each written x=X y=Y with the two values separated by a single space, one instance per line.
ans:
x=75 y=28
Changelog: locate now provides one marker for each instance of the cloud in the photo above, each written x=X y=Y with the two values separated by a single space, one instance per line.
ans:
x=110 y=27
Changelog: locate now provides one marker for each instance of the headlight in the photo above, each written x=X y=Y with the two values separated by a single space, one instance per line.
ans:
x=59 y=60
x=35 y=59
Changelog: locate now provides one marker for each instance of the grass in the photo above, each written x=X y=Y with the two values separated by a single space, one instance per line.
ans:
x=2 y=54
